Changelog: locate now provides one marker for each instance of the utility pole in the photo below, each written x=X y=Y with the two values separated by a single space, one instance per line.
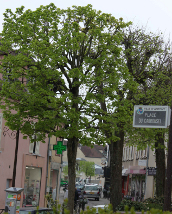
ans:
x=167 y=193
x=15 y=158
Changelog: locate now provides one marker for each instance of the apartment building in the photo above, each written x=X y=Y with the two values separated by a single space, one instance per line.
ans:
x=30 y=170
x=140 y=170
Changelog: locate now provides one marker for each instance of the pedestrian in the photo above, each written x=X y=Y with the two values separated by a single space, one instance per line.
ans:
x=76 y=197
x=104 y=193
x=66 y=192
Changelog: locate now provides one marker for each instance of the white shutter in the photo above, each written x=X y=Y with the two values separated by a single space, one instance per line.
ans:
x=143 y=153
x=31 y=145
x=132 y=154
x=128 y=153
x=37 y=147
x=125 y=157
x=123 y=154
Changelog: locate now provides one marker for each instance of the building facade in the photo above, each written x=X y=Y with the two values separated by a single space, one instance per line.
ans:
x=140 y=169
x=54 y=169
x=30 y=170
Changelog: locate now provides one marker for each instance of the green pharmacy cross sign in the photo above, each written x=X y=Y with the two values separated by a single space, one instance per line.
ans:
x=59 y=147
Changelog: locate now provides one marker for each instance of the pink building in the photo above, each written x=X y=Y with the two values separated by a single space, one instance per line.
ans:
x=31 y=168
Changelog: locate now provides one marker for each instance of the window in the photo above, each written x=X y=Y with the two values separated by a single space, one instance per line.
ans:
x=34 y=147
x=8 y=76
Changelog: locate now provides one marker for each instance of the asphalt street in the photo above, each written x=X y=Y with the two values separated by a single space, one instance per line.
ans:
x=91 y=202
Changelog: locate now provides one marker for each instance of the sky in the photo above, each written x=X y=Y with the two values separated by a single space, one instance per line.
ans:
x=155 y=15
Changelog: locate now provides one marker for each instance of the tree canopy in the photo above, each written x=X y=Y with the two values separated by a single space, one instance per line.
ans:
x=54 y=61
x=87 y=167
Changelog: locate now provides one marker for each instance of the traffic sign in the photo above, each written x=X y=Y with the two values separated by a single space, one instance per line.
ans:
x=142 y=162
x=151 y=116
x=59 y=147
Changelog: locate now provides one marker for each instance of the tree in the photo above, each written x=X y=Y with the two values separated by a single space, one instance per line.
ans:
x=153 y=76
x=53 y=62
x=87 y=167
x=143 y=52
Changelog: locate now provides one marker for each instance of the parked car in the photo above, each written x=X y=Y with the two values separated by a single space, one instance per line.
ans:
x=33 y=210
x=80 y=188
x=92 y=191
x=99 y=186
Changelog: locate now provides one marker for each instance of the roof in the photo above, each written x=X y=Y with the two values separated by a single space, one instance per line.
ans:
x=92 y=152
x=99 y=147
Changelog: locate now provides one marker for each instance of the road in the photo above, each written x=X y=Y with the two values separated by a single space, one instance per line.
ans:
x=91 y=202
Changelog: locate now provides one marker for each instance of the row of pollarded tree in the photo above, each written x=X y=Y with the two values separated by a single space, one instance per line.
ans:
x=84 y=69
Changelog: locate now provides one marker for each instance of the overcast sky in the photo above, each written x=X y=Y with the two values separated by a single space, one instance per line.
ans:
x=155 y=14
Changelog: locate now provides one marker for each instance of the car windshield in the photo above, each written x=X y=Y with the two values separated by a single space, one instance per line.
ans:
x=91 y=188
x=79 y=186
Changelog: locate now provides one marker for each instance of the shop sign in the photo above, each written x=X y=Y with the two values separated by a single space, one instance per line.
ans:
x=152 y=171
x=55 y=165
x=59 y=147
x=142 y=162
x=151 y=116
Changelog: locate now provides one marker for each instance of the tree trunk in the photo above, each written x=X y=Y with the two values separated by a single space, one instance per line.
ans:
x=71 y=154
x=116 y=151
x=160 y=164
x=167 y=193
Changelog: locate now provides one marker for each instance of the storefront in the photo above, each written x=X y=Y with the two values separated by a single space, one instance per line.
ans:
x=32 y=184
x=125 y=182
x=137 y=187
x=137 y=183
x=54 y=184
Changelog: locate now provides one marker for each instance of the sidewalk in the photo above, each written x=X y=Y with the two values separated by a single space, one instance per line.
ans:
x=61 y=196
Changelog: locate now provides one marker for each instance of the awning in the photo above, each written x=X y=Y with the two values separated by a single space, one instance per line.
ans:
x=136 y=170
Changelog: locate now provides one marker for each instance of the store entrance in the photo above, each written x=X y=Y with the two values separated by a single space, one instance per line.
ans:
x=32 y=186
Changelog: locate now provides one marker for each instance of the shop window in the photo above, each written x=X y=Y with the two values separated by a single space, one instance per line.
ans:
x=32 y=186
x=34 y=146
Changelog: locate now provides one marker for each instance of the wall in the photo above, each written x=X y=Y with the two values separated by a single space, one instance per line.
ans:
x=24 y=159
x=150 y=179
